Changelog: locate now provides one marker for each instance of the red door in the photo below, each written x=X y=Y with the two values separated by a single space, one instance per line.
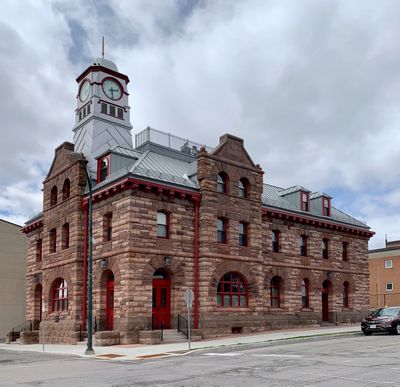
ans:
x=110 y=305
x=161 y=303
x=325 y=305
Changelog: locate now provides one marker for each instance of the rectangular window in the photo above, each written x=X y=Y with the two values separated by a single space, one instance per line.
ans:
x=243 y=227
x=389 y=286
x=325 y=248
x=112 y=110
x=303 y=245
x=39 y=250
x=221 y=230
x=388 y=264
x=326 y=207
x=120 y=113
x=53 y=240
x=275 y=241
x=65 y=236
x=107 y=227
x=304 y=201
x=103 y=108
x=162 y=224
x=345 y=247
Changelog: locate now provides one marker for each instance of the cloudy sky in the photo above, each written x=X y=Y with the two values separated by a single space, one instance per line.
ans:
x=313 y=87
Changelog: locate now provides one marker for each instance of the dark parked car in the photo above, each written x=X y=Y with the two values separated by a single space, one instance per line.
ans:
x=382 y=320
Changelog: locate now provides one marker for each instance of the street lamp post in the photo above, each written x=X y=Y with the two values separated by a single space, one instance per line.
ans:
x=89 y=349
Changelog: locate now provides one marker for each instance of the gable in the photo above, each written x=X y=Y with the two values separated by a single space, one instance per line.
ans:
x=61 y=158
x=231 y=148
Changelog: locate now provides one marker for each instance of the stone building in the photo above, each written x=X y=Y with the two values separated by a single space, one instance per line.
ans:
x=169 y=215
x=384 y=271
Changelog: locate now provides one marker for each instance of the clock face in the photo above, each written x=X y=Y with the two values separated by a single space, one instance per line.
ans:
x=112 y=89
x=84 y=92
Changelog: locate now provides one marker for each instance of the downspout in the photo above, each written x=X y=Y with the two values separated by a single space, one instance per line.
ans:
x=85 y=250
x=196 y=201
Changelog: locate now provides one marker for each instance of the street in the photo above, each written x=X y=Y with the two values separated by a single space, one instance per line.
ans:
x=352 y=360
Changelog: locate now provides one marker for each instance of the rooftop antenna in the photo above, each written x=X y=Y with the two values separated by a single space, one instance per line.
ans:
x=102 y=47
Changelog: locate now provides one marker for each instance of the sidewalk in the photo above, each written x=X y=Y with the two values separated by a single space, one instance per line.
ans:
x=141 y=352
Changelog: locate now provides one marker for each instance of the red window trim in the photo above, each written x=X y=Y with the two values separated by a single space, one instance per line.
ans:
x=59 y=295
x=323 y=206
x=245 y=234
x=167 y=225
x=99 y=161
x=305 y=205
x=221 y=293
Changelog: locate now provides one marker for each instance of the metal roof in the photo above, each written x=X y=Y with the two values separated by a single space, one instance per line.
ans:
x=271 y=197
x=295 y=188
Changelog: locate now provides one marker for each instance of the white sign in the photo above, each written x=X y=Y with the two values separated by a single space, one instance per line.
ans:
x=189 y=297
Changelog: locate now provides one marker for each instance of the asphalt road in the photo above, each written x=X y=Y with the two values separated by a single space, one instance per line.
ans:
x=352 y=360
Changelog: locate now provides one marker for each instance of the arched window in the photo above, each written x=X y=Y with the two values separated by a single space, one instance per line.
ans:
x=345 y=294
x=222 y=182
x=162 y=224
x=59 y=295
x=305 y=293
x=276 y=287
x=232 y=291
x=53 y=196
x=103 y=169
x=66 y=189
x=243 y=188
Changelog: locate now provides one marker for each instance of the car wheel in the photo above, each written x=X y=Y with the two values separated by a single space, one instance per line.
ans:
x=367 y=333
x=398 y=329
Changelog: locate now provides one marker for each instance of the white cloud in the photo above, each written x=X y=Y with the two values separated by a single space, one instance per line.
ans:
x=311 y=86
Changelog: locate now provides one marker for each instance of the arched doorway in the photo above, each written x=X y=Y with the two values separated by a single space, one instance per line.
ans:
x=109 y=323
x=326 y=288
x=161 y=300
x=38 y=306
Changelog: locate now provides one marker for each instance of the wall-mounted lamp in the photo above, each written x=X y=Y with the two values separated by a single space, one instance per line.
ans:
x=329 y=274
x=167 y=260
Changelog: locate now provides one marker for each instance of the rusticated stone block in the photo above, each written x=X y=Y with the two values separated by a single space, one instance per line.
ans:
x=150 y=337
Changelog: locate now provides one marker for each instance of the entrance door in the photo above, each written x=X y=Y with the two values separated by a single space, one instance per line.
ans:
x=110 y=305
x=325 y=300
x=161 y=303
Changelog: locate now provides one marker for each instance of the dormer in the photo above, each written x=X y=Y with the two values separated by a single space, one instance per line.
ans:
x=321 y=203
x=298 y=196
x=114 y=160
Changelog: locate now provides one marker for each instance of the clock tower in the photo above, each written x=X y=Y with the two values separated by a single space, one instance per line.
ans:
x=102 y=116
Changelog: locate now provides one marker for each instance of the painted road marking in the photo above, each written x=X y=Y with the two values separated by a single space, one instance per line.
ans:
x=241 y=353
x=275 y=355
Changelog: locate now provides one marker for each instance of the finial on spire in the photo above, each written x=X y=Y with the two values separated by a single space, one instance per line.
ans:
x=102 y=47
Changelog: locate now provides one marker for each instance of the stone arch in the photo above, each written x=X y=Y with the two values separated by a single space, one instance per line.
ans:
x=112 y=265
x=232 y=266
x=60 y=272
x=174 y=269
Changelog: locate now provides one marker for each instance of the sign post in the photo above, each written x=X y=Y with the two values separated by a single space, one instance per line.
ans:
x=189 y=297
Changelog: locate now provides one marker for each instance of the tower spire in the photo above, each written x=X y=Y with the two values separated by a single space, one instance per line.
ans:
x=102 y=47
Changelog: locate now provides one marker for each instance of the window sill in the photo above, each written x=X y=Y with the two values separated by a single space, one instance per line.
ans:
x=307 y=310
x=233 y=308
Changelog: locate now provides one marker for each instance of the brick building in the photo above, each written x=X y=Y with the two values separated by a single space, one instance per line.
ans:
x=168 y=215
x=384 y=271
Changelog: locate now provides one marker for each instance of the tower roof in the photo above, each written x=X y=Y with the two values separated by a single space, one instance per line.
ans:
x=105 y=63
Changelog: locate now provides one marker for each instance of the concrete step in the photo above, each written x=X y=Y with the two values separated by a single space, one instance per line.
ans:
x=173 y=336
